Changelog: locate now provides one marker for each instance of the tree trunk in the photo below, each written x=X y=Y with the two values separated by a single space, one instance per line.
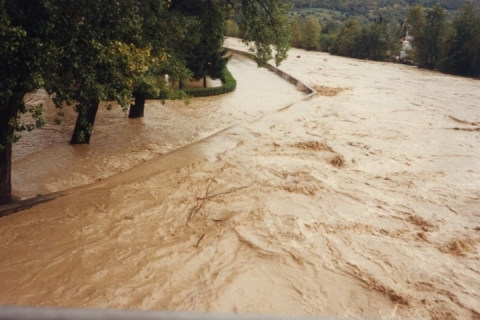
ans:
x=205 y=81
x=137 y=109
x=84 y=125
x=6 y=133
x=5 y=169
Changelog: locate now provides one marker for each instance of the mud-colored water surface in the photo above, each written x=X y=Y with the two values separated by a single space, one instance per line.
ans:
x=363 y=201
x=44 y=162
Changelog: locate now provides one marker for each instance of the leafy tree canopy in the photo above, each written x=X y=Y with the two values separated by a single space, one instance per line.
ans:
x=87 y=51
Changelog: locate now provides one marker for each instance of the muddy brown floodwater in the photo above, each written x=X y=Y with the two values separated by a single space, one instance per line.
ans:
x=363 y=201
x=44 y=161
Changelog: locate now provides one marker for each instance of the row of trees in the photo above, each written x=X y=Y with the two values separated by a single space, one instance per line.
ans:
x=451 y=47
x=306 y=33
x=364 y=7
x=377 y=40
x=448 y=47
x=351 y=39
x=88 y=51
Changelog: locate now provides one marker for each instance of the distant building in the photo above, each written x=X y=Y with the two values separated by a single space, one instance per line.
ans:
x=406 y=46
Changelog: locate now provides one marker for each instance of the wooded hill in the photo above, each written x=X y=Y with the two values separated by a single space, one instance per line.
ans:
x=447 y=41
x=364 y=7
x=367 y=10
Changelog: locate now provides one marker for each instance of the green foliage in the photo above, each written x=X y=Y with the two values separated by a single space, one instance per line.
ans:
x=371 y=43
x=296 y=37
x=415 y=26
x=344 y=42
x=264 y=27
x=391 y=9
x=393 y=33
x=306 y=33
x=206 y=56
x=37 y=120
x=96 y=57
x=233 y=29
x=326 y=42
x=21 y=71
x=461 y=50
x=434 y=33
x=363 y=42
x=415 y=21
x=229 y=85
x=163 y=32
x=87 y=51
x=332 y=13
x=452 y=48
x=22 y=54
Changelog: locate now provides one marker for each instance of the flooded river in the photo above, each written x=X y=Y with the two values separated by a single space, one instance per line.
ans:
x=44 y=162
x=361 y=202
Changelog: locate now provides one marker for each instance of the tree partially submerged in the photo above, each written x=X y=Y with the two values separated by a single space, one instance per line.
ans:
x=186 y=38
x=96 y=58
x=206 y=57
x=89 y=51
x=22 y=54
x=165 y=34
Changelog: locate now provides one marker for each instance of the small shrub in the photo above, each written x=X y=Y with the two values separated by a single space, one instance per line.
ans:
x=229 y=85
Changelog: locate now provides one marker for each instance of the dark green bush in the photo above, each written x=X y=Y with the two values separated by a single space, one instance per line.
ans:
x=229 y=85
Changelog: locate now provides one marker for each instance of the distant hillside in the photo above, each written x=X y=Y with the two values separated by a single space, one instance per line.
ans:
x=445 y=39
x=367 y=7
